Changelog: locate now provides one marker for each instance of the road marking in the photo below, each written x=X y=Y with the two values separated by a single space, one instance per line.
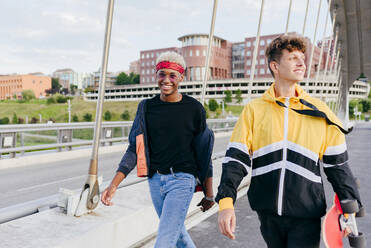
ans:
x=51 y=183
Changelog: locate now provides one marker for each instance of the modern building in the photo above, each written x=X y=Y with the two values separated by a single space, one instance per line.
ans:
x=134 y=67
x=228 y=60
x=327 y=90
x=12 y=86
x=68 y=77
x=110 y=79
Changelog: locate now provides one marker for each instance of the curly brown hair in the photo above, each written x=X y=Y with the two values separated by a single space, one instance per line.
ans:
x=289 y=42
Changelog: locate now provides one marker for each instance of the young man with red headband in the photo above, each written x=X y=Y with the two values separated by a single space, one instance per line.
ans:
x=280 y=138
x=171 y=144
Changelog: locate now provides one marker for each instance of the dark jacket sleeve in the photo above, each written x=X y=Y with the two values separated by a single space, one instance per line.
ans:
x=343 y=182
x=129 y=160
x=203 y=147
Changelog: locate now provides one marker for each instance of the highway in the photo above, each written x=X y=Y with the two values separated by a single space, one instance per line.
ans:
x=28 y=183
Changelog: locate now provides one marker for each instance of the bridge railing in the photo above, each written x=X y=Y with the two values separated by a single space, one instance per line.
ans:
x=68 y=135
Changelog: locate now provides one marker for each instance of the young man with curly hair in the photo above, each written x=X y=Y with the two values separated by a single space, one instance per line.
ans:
x=283 y=146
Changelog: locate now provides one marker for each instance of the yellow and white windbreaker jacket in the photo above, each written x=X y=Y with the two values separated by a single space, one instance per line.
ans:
x=284 y=149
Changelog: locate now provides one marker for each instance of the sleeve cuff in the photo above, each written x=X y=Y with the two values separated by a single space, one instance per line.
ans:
x=225 y=203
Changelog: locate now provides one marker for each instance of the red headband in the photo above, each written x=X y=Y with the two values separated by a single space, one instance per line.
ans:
x=170 y=65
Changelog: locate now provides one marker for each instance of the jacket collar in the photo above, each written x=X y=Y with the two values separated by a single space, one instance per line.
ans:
x=270 y=96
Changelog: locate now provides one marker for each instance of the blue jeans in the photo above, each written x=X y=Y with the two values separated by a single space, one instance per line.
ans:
x=171 y=195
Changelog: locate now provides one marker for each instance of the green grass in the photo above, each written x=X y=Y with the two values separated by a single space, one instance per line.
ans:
x=59 y=112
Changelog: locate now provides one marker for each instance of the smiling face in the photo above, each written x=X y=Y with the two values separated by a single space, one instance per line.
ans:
x=291 y=66
x=168 y=81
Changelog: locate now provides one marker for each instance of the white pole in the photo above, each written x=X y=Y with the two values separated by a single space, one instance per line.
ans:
x=252 y=73
x=288 y=17
x=314 y=41
x=305 y=17
x=323 y=41
x=333 y=55
x=336 y=59
x=329 y=45
x=209 y=51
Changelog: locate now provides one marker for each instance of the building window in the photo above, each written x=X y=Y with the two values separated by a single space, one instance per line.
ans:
x=248 y=72
x=190 y=53
x=152 y=55
x=248 y=62
x=153 y=79
x=248 y=53
x=197 y=53
x=262 y=61
x=248 y=44
x=262 y=71
x=262 y=42
x=153 y=62
x=261 y=52
x=143 y=63
x=147 y=71
x=142 y=55
x=204 y=52
x=153 y=71
x=147 y=55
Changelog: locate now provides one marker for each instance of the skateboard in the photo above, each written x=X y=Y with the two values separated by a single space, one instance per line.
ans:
x=339 y=220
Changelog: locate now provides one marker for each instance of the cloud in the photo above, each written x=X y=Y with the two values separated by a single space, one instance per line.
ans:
x=49 y=35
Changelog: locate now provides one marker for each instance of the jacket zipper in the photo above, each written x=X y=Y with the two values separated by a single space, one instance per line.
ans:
x=284 y=159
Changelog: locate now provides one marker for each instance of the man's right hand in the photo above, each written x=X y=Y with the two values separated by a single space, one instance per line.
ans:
x=108 y=194
x=227 y=222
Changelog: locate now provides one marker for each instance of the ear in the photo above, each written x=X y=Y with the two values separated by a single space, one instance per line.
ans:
x=274 y=66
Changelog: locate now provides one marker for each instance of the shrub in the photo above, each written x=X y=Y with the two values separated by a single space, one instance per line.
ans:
x=75 y=118
x=4 y=120
x=213 y=105
x=15 y=119
x=125 y=116
x=28 y=95
x=60 y=98
x=20 y=120
x=50 y=100
x=88 y=117
x=34 y=120
x=107 y=115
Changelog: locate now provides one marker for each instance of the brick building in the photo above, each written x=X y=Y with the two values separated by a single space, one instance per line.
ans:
x=12 y=85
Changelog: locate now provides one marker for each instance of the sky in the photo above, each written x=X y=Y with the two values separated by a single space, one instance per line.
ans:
x=46 y=35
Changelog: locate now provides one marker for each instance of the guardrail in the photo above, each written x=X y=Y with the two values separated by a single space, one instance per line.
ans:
x=12 y=136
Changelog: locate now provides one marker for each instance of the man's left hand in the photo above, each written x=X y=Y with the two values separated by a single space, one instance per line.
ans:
x=205 y=204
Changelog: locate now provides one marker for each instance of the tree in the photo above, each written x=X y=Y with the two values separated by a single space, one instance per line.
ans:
x=15 y=119
x=123 y=79
x=73 y=89
x=125 y=116
x=228 y=96
x=238 y=96
x=366 y=105
x=28 y=95
x=213 y=105
x=56 y=87
x=107 y=116
x=50 y=100
x=88 y=117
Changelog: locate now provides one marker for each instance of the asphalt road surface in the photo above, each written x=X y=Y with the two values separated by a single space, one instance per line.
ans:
x=22 y=184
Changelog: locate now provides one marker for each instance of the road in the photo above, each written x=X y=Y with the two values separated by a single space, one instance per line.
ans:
x=206 y=233
x=24 y=184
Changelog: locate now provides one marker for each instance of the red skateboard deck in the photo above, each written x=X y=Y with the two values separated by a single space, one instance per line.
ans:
x=331 y=230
